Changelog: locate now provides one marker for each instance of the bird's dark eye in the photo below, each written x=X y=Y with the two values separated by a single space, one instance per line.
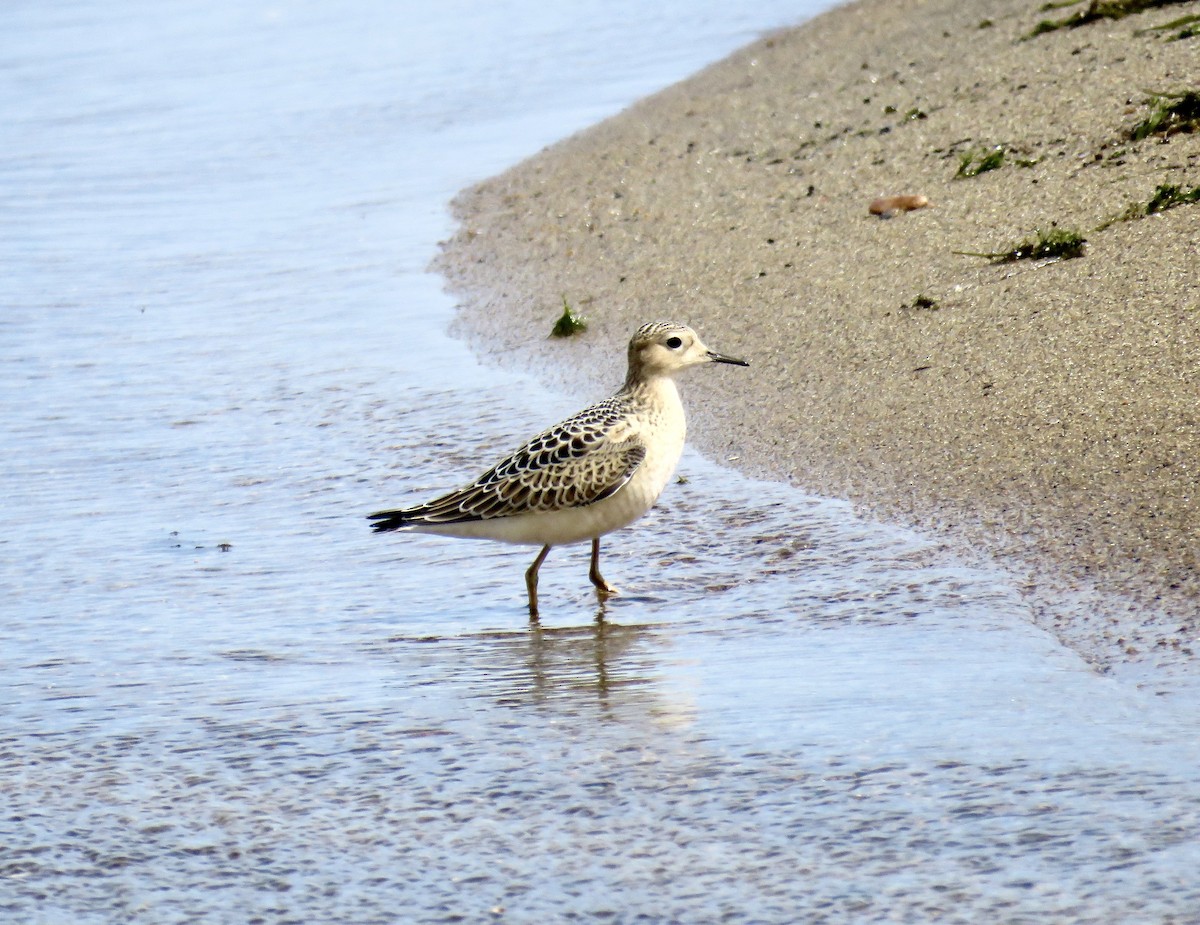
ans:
x=674 y=343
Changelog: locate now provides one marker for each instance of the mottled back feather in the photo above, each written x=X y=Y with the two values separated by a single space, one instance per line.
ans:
x=581 y=461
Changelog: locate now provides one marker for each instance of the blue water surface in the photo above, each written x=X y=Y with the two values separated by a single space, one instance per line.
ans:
x=222 y=699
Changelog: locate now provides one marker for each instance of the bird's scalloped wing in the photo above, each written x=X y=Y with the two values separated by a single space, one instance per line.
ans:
x=585 y=459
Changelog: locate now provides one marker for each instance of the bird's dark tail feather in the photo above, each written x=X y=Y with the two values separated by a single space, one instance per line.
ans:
x=388 y=520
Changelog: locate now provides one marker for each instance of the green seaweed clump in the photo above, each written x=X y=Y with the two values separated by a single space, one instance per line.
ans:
x=1172 y=113
x=569 y=323
x=1168 y=196
x=1188 y=26
x=1191 y=29
x=1097 y=10
x=1055 y=244
x=980 y=160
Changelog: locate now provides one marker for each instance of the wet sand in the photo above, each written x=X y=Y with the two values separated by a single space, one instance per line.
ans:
x=1040 y=414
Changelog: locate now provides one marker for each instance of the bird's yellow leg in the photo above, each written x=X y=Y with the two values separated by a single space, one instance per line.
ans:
x=531 y=581
x=594 y=572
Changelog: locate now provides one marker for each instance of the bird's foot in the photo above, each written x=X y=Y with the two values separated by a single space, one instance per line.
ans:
x=603 y=588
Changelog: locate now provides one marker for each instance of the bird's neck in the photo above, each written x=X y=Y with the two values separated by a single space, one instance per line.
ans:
x=658 y=391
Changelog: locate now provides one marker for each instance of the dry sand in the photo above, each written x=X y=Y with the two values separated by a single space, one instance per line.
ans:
x=1043 y=414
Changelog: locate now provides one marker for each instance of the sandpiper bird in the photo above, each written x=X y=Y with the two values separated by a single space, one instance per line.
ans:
x=597 y=471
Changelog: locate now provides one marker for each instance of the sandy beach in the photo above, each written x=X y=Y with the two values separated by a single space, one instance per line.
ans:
x=1039 y=413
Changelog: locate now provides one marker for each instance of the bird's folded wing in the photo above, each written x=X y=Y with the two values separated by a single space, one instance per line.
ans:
x=551 y=472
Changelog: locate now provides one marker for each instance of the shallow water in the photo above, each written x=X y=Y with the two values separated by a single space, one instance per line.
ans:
x=222 y=698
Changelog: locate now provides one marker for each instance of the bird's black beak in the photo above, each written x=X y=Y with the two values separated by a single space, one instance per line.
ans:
x=721 y=358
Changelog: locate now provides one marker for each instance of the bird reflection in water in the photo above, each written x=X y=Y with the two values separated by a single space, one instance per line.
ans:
x=602 y=664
